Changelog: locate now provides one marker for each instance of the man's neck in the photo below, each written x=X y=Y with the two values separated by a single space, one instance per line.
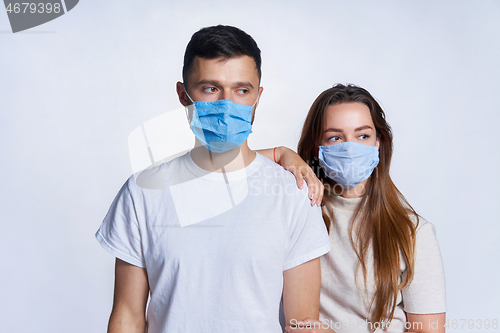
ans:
x=232 y=160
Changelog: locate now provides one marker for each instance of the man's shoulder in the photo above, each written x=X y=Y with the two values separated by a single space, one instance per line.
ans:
x=272 y=169
x=156 y=176
x=275 y=174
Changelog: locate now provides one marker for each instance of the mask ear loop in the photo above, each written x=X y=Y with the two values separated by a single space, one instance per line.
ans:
x=186 y=107
x=189 y=122
x=185 y=90
x=258 y=97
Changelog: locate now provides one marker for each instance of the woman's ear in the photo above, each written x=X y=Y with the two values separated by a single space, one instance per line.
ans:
x=378 y=142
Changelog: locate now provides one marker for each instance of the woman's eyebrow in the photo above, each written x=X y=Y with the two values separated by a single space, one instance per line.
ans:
x=333 y=130
x=363 y=128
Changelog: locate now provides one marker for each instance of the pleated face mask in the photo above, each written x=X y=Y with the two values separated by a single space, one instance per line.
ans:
x=221 y=125
x=348 y=163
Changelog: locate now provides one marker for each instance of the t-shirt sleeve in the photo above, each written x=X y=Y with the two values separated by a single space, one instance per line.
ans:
x=427 y=292
x=308 y=238
x=119 y=233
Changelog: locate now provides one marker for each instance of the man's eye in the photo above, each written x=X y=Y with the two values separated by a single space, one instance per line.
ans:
x=210 y=90
x=242 y=91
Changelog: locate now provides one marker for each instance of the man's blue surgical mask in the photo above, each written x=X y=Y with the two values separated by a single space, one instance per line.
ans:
x=348 y=163
x=221 y=125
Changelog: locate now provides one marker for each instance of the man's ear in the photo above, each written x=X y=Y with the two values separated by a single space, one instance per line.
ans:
x=261 y=89
x=256 y=104
x=182 y=94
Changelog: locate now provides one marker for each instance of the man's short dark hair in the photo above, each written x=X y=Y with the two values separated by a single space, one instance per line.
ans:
x=220 y=41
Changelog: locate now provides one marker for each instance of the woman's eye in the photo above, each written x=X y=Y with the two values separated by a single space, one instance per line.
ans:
x=210 y=90
x=334 y=138
x=364 y=136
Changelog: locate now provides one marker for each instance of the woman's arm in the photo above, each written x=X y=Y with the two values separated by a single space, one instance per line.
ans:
x=425 y=323
x=427 y=291
x=292 y=162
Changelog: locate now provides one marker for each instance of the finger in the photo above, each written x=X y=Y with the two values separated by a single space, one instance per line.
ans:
x=314 y=182
x=300 y=180
x=321 y=192
x=315 y=188
x=312 y=197
x=311 y=184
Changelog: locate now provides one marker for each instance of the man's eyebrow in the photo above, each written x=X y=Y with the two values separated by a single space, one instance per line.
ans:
x=244 y=84
x=212 y=82
x=363 y=128
x=247 y=84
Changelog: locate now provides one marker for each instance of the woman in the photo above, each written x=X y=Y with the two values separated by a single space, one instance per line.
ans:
x=384 y=272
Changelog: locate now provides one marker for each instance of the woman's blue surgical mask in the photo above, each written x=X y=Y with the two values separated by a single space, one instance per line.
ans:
x=221 y=125
x=348 y=163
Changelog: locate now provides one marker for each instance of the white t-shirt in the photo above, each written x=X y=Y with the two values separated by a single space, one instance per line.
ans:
x=214 y=245
x=345 y=306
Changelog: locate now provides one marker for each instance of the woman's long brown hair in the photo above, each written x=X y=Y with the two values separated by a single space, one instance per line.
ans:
x=383 y=215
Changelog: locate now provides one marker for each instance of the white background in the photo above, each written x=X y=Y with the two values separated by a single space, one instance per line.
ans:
x=72 y=90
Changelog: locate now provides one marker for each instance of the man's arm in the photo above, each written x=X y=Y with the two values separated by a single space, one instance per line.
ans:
x=301 y=289
x=130 y=299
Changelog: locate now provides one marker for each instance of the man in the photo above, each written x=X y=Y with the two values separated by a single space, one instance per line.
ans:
x=219 y=235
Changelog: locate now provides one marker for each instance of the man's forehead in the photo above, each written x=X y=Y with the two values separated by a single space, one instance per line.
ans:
x=238 y=68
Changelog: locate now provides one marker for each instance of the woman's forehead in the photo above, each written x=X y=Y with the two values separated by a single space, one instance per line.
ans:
x=350 y=115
